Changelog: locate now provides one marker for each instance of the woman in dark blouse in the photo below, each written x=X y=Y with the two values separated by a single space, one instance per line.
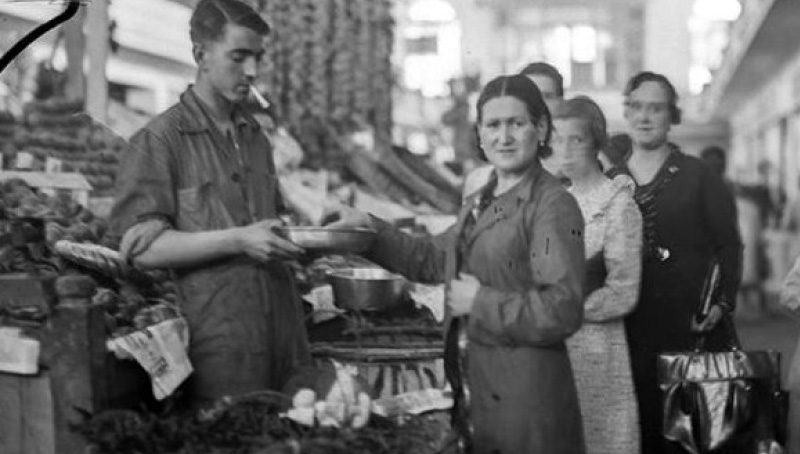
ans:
x=689 y=220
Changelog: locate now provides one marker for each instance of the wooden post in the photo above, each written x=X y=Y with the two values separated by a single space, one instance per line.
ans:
x=97 y=50
x=77 y=346
x=74 y=43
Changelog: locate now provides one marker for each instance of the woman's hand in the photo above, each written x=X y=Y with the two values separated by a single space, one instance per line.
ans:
x=460 y=294
x=712 y=319
x=342 y=216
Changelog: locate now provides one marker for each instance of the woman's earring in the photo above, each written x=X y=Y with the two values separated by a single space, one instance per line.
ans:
x=541 y=144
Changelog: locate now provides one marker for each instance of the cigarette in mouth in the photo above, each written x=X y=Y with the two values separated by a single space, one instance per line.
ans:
x=261 y=100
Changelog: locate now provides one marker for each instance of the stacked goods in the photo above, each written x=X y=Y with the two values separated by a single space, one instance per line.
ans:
x=367 y=169
x=444 y=200
x=329 y=71
x=59 y=129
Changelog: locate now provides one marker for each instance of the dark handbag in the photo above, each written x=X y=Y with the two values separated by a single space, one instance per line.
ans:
x=727 y=399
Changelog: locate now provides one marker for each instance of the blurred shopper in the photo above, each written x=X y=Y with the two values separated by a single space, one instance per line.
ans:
x=790 y=221
x=689 y=221
x=197 y=193
x=715 y=159
x=613 y=239
x=551 y=84
x=790 y=299
x=514 y=262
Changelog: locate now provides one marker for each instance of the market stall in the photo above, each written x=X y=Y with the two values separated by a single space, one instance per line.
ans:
x=77 y=309
x=98 y=357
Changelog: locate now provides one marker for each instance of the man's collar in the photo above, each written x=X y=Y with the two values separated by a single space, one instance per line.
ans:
x=199 y=118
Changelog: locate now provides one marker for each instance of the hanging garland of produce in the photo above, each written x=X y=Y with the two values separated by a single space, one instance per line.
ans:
x=383 y=78
x=330 y=71
x=342 y=62
x=362 y=70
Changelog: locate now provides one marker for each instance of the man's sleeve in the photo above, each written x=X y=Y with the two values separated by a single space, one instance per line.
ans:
x=145 y=194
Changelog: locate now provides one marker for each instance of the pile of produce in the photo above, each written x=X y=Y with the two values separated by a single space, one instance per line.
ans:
x=132 y=307
x=30 y=220
x=254 y=425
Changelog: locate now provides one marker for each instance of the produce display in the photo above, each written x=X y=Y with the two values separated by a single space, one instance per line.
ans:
x=330 y=72
x=29 y=220
x=253 y=424
x=130 y=309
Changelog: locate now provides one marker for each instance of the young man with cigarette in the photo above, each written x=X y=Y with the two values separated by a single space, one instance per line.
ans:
x=197 y=193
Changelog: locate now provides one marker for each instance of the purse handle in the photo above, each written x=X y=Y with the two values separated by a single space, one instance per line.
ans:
x=709 y=295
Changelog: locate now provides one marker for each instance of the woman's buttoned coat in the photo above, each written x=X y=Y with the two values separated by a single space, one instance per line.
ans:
x=527 y=251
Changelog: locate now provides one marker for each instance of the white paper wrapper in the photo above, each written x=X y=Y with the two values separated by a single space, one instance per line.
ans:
x=413 y=403
x=430 y=296
x=161 y=350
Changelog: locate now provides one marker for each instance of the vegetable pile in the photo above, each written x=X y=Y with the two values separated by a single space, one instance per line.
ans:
x=254 y=426
x=30 y=220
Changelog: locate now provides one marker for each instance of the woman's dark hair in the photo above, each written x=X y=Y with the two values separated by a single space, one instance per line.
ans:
x=584 y=108
x=210 y=17
x=618 y=147
x=545 y=69
x=672 y=95
x=523 y=89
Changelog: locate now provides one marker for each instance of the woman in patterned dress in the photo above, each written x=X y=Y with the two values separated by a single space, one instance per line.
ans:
x=613 y=241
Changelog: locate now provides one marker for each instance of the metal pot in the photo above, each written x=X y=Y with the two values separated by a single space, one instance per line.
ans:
x=367 y=289
x=325 y=239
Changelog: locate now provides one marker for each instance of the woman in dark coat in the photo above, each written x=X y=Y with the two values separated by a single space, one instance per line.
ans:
x=689 y=219
x=514 y=262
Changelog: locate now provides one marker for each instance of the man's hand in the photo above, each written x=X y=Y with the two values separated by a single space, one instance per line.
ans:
x=714 y=316
x=460 y=294
x=260 y=242
x=342 y=216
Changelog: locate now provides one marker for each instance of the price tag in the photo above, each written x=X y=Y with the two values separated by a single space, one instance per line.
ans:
x=53 y=165
x=24 y=160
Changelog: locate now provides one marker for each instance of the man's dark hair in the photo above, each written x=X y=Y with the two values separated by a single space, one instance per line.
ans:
x=545 y=69
x=210 y=17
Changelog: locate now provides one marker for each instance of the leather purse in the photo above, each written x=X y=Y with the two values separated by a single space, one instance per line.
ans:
x=726 y=399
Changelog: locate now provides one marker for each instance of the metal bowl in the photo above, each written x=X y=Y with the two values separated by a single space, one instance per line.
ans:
x=324 y=239
x=367 y=289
